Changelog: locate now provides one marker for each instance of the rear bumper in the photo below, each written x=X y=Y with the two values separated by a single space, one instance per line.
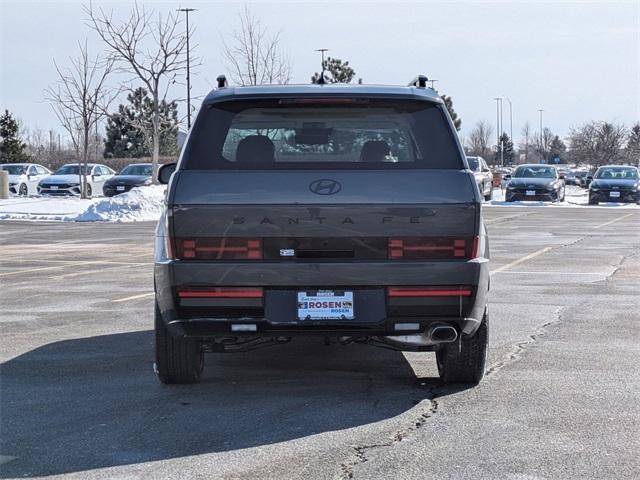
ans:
x=275 y=315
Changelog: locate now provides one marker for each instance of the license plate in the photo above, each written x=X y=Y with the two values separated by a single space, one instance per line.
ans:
x=614 y=194
x=325 y=305
x=120 y=188
x=54 y=187
x=530 y=193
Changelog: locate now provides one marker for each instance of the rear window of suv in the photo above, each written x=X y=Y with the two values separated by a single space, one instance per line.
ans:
x=312 y=133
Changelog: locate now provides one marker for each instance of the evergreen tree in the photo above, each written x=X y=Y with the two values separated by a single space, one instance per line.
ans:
x=633 y=145
x=12 y=149
x=508 y=154
x=336 y=71
x=129 y=130
x=448 y=102
x=557 y=148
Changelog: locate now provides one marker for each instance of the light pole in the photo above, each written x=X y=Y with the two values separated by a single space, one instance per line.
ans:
x=432 y=82
x=499 y=128
x=186 y=11
x=542 y=149
x=510 y=118
x=322 y=50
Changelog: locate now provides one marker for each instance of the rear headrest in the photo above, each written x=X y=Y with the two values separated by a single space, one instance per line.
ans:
x=255 y=149
x=374 y=151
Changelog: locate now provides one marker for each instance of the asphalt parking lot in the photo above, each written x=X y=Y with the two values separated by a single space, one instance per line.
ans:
x=561 y=399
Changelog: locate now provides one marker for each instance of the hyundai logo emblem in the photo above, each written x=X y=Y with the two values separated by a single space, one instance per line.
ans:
x=325 y=186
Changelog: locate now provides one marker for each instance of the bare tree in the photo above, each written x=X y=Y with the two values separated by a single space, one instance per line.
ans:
x=597 y=143
x=254 y=57
x=79 y=99
x=478 y=141
x=542 y=143
x=526 y=144
x=152 y=48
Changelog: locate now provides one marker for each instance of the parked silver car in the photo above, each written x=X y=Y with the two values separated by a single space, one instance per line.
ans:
x=484 y=177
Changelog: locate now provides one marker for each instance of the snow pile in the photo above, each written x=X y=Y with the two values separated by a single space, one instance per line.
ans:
x=137 y=205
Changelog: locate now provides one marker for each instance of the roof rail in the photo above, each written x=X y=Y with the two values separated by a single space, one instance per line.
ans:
x=420 y=81
x=222 y=81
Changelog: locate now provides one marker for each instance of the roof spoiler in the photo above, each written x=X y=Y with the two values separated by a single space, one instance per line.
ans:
x=420 y=81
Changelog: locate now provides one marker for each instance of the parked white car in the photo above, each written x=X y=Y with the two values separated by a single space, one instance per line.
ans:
x=66 y=180
x=24 y=177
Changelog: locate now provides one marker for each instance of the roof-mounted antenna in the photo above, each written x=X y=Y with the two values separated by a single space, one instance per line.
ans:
x=222 y=81
x=321 y=80
x=420 y=81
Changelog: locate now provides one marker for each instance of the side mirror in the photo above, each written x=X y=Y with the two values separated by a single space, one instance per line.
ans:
x=561 y=177
x=165 y=172
x=507 y=176
x=589 y=177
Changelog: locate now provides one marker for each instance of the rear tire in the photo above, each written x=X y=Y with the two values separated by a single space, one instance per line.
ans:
x=489 y=196
x=89 y=192
x=464 y=361
x=178 y=360
x=592 y=202
x=23 y=191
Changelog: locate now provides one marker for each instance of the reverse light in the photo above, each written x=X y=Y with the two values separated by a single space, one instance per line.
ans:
x=433 y=248
x=204 y=248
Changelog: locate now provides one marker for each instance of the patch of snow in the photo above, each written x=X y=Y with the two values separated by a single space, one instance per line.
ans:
x=139 y=204
x=574 y=196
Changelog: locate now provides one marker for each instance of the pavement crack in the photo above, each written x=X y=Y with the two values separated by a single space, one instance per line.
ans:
x=360 y=452
x=618 y=266
x=518 y=349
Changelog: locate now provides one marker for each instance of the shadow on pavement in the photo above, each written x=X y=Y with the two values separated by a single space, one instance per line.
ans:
x=95 y=402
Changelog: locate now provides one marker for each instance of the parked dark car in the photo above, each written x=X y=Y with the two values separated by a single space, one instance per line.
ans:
x=587 y=179
x=340 y=212
x=570 y=177
x=615 y=183
x=483 y=176
x=581 y=177
x=134 y=175
x=535 y=182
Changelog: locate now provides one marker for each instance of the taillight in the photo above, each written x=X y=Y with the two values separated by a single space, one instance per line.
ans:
x=232 y=248
x=168 y=238
x=446 y=291
x=220 y=292
x=433 y=248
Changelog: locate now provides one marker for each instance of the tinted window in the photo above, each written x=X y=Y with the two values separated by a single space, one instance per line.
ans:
x=534 y=172
x=619 y=173
x=473 y=163
x=283 y=134
x=71 y=170
x=136 y=170
x=14 y=169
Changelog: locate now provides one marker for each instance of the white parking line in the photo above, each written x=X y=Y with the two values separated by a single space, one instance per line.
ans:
x=133 y=297
x=70 y=264
x=521 y=260
x=614 y=220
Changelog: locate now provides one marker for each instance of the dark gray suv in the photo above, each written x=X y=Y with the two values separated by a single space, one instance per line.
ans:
x=343 y=212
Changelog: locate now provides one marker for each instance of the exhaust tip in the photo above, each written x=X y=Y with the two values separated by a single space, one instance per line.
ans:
x=443 y=334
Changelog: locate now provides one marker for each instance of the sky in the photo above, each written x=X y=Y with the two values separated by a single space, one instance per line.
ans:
x=576 y=60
